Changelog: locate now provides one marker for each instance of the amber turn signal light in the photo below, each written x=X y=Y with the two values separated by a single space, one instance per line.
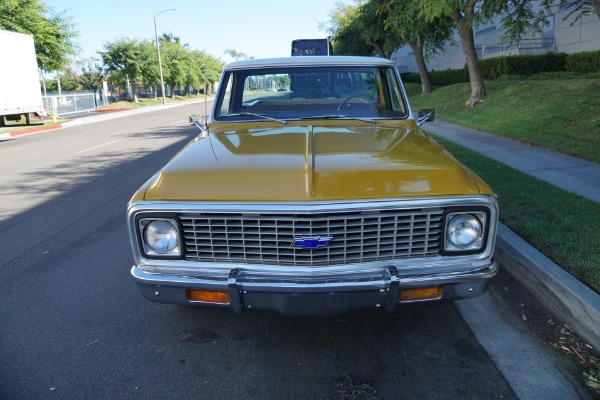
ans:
x=428 y=293
x=208 y=296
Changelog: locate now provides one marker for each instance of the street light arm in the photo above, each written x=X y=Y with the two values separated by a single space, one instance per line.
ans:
x=168 y=9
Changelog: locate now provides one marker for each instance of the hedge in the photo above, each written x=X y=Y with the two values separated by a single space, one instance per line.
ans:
x=493 y=68
x=439 y=78
x=543 y=66
x=411 y=77
x=586 y=63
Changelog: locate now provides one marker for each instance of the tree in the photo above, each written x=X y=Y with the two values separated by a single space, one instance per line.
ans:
x=236 y=55
x=423 y=37
x=149 y=73
x=358 y=30
x=137 y=61
x=170 y=38
x=67 y=83
x=54 y=32
x=582 y=8
x=577 y=9
x=124 y=57
x=517 y=17
x=381 y=26
x=175 y=64
x=198 y=61
x=88 y=73
x=462 y=13
x=214 y=68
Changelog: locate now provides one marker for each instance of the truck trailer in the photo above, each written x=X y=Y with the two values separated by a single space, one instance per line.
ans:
x=312 y=47
x=20 y=93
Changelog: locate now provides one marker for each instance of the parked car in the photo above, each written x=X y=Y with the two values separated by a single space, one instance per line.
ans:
x=314 y=201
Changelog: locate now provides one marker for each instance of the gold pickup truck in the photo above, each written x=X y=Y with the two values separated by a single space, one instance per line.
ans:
x=311 y=190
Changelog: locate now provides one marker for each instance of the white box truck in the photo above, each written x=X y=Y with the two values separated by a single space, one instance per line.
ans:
x=20 y=93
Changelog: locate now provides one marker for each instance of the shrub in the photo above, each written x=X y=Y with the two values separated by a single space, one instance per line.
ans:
x=411 y=77
x=585 y=63
x=493 y=68
x=449 y=77
x=439 y=78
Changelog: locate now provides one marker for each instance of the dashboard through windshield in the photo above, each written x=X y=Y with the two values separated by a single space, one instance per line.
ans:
x=305 y=92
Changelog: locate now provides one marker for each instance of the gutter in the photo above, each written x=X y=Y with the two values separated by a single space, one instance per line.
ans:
x=559 y=291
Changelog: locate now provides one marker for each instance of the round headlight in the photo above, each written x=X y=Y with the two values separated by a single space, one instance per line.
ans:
x=161 y=236
x=463 y=230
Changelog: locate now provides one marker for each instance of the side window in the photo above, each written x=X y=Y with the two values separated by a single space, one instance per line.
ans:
x=394 y=89
x=225 y=102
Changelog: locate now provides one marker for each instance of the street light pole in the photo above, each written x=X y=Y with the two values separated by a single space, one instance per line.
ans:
x=162 y=82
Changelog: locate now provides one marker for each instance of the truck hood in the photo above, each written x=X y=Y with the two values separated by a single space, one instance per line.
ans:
x=303 y=162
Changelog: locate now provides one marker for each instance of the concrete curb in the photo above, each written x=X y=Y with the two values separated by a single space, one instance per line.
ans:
x=9 y=135
x=559 y=291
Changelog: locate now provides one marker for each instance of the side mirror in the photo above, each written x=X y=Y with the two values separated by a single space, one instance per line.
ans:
x=425 y=114
x=198 y=120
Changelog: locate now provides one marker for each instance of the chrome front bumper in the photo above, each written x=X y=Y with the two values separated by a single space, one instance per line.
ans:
x=313 y=295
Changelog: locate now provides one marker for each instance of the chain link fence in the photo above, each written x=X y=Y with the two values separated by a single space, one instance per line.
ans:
x=72 y=102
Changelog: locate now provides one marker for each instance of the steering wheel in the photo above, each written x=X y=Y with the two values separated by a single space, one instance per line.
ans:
x=345 y=101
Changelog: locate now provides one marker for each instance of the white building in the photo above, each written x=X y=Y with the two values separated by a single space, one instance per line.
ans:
x=557 y=37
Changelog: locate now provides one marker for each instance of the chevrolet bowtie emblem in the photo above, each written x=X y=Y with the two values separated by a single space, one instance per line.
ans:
x=311 y=242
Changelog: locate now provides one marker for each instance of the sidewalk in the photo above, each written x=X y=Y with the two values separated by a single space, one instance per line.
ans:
x=563 y=294
x=569 y=173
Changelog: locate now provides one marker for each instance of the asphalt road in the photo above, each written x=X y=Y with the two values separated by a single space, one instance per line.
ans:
x=74 y=326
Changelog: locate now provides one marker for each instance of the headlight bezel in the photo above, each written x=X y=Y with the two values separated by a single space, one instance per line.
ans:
x=482 y=214
x=142 y=223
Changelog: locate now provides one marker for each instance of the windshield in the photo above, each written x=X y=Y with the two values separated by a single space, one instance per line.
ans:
x=310 y=92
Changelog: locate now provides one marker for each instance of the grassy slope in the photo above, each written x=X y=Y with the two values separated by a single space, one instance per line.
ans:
x=561 y=115
x=562 y=225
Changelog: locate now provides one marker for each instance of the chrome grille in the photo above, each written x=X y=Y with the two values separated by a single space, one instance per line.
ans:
x=268 y=238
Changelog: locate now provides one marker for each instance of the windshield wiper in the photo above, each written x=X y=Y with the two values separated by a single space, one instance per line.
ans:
x=336 y=116
x=249 y=114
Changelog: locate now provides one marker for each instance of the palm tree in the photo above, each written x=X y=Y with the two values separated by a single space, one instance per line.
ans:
x=235 y=54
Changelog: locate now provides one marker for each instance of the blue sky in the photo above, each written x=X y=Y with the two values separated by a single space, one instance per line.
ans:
x=263 y=28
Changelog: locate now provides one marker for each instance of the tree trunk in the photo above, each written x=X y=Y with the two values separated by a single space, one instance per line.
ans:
x=172 y=89
x=597 y=7
x=417 y=48
x=380 y=51
x=465 y=30
x=134 y=91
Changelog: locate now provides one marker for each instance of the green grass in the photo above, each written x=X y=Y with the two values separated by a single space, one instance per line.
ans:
x=412 y=89
x=563 y=226
x=561 y=115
